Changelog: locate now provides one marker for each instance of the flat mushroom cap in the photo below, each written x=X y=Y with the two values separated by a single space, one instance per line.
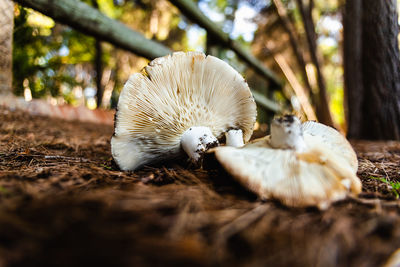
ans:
x=319 y=134
x=297 y=179
x=174 y=93
x=312 y=166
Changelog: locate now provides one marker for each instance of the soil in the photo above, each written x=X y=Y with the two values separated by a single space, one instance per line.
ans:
x=64 y=203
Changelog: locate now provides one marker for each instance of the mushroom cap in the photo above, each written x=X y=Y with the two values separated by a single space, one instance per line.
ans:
x=323 y=172
x=297 y=179
x=172 y=94
x=317 y=134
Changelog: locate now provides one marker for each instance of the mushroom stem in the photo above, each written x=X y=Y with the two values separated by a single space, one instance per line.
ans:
x=234 y=138
x=286 y=133
x=197 y=140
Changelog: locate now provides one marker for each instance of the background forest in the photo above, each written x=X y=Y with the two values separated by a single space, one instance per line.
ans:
x=300 y=41
x=56 y=62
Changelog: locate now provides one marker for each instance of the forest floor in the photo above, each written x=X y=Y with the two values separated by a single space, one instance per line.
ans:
x=63 y=203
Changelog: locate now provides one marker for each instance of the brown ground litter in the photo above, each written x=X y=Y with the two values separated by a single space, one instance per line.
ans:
x=63 y=203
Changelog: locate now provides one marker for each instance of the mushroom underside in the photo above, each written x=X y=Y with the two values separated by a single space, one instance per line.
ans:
x=175 y=93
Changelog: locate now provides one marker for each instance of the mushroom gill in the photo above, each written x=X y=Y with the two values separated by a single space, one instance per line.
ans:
x=186 y=95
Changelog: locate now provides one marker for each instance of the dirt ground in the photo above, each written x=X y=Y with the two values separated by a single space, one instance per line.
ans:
x=63 y=203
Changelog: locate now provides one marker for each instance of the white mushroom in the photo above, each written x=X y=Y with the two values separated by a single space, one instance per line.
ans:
x=180 y=101
x=296 y=165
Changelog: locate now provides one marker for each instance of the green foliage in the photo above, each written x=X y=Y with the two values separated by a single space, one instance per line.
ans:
x=107 y=7
x=106 y=167
x=393 y=185
x=42 y=53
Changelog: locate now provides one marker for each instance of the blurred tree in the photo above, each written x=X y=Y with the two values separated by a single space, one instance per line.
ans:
x=6 y=30
x=306 y=34
x=98 y=63
x=321 y=102
x=294 y=41
x=372 y=70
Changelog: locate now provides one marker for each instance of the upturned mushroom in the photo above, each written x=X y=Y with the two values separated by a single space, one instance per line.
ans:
x=300 y=165
x=180 y=102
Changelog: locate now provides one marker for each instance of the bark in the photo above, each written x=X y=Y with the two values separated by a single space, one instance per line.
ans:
x=353 y=84
x=322 y=105
x=376 y=114
x=6 y=32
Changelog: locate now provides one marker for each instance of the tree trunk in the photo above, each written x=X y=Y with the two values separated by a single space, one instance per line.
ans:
x=6 y=32
x=99 y=73
x=98 y=63
x=353 y=93
x=322 y=105
x=374 y=102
